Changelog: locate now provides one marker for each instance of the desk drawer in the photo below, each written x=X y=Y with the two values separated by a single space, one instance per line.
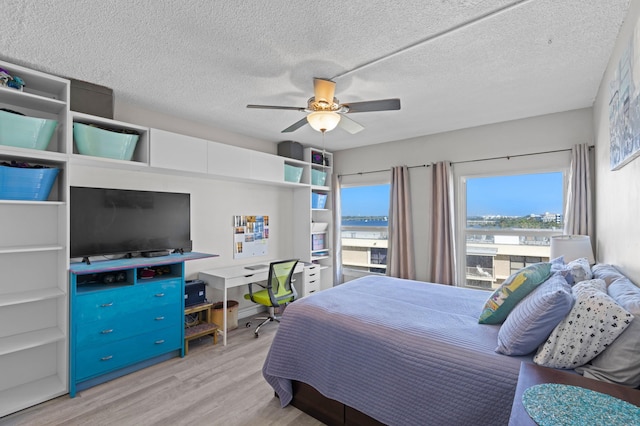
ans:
x=124 y=302
x=132 y=324
x=311 y=287
x=93 y=361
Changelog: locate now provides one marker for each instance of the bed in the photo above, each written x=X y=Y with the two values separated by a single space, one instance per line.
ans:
x=392 y=351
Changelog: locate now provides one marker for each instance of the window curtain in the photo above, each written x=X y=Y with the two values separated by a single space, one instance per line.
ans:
x=443 y=263
x=400 y=253
x=338 y=278
x=578 y=217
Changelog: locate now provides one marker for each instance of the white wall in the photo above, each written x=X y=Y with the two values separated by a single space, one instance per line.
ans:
x=131 y=113
x=537 y=134
x=617 y=192
x=213 y=202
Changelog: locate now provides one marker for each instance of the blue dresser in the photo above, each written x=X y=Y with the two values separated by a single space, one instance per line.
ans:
x=125 y=315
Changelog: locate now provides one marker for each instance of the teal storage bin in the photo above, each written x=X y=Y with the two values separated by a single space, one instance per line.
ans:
x=18 y=183
x=318 y=200
x=97 y=142
x=292 y=173
x=25 y=132
x=318 y=177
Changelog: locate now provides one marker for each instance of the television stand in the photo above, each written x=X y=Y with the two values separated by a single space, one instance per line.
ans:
x=105 y=342
x=86 y=260
x=157 y=253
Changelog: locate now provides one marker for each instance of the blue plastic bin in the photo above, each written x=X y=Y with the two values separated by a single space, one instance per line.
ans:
x=318 y=177
x=25 y=132
x=97 y=142
x=292 y=173
x=318 y=200
x=18 y=183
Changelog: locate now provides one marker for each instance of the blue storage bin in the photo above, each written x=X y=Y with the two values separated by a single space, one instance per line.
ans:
x=21 y=183
x=318 y=201
x=318 y=177
x=292 y=173
x=97 y=142
x=25 y=132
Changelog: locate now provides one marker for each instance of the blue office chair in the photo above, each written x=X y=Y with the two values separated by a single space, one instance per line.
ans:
x=278 y=290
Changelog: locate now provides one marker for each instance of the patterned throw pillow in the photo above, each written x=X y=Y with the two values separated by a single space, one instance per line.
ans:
x=593 y=323
x=534 y=318
x=513 y=290
x=620 y=363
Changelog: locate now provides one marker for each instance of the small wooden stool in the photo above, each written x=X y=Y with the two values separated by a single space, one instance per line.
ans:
x=202 y=327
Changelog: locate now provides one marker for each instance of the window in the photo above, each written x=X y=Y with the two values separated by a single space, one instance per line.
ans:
x=364 y=232
x=519 y=262
x=508 y=225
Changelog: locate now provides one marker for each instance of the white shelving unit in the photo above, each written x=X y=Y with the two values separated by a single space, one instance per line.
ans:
x=34 y=257
x=34 y=248
x=310 y=244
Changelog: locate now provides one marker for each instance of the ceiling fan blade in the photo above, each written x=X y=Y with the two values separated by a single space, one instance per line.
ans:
x=276 y=107
x=323 y=90
x=295 y=126
x=349 y=125
x=368 y=106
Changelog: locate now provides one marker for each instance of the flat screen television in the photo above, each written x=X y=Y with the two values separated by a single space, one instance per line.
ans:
x=120 y=221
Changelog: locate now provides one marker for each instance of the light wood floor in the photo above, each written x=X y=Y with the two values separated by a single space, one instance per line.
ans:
x=213 y=385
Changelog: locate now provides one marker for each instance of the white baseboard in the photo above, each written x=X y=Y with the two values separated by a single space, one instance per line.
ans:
x=250 y=311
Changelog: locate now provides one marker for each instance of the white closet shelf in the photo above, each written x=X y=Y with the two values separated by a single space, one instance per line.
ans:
x=29 y=394
x=30 y=296
x=33 y=339
x=30 y=249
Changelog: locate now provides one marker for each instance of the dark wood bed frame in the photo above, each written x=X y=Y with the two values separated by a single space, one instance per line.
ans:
x=328 y=411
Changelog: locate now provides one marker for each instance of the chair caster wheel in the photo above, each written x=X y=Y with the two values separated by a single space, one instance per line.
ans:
x=256 y=335
x=247 y=325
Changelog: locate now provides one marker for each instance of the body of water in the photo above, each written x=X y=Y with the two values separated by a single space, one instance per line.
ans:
x=364 y=222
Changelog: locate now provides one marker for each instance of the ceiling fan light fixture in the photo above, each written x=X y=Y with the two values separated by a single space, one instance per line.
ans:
x=323 y=121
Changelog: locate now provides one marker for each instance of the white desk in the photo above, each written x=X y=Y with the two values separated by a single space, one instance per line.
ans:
x=236 y=276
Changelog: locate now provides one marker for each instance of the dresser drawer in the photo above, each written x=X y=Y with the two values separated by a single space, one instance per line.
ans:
x=123 y=302
x=311 y=271
x=311 y=287
x=113 y=329
x=93 y=361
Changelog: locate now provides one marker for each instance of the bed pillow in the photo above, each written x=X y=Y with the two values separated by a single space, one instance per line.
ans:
x=593 y=323
x=579 y=270
x=606 y=272
x=620 y=363
x=534 y=318
x=559 y=267
x=513 y=290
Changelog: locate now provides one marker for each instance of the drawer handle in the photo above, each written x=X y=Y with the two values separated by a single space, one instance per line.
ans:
x=159 y=318
x=312 y=275
x=106 y=358
x=106 y=305
x=159 y=294
x=107 y=331
x=159 y=342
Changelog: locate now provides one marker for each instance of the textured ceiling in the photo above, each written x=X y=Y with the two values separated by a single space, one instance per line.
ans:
x=453 y=64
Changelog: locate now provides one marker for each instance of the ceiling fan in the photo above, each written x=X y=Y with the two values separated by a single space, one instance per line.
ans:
x=325 y=112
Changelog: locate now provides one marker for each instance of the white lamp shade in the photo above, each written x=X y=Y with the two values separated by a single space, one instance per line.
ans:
x=323 y=121
x=572 y=247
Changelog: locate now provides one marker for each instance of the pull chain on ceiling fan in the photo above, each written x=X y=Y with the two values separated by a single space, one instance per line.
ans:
x=325 y=112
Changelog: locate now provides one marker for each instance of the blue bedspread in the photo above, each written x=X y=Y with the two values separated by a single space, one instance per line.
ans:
x=403 y=352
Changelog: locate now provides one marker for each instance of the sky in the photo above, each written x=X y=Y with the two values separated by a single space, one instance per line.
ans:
x=513 y=195
x=365 y=200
